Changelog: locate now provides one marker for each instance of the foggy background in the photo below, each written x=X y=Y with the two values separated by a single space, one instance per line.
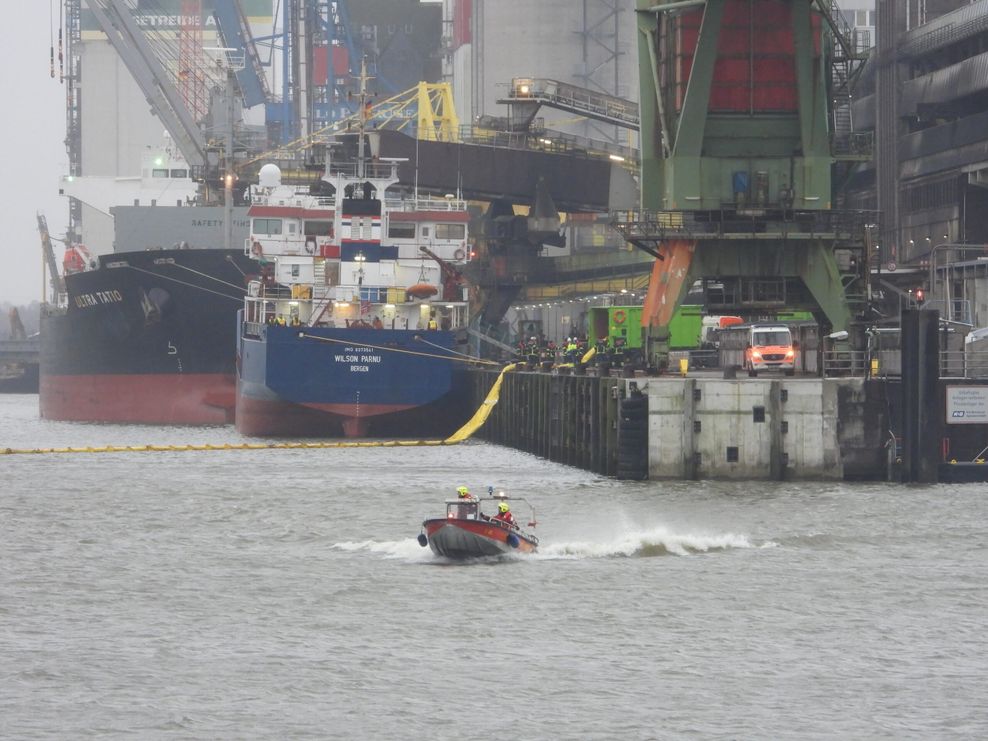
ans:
x=33 y=130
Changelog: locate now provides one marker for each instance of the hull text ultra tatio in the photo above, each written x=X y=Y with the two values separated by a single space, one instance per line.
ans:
x=144 y=334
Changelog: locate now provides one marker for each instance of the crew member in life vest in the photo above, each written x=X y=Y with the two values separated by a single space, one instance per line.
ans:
x=504 y=514
x=433 y=324
x=571 y=348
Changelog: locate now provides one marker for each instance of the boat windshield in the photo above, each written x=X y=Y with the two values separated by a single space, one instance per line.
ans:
x=461 y=510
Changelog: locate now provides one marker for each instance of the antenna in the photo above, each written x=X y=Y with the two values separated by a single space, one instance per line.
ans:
x=416 y=167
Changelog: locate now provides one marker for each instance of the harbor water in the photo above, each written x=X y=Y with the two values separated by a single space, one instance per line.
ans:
x=282 y=594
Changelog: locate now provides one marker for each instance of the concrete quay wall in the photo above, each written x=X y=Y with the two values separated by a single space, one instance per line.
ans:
x=769 y=429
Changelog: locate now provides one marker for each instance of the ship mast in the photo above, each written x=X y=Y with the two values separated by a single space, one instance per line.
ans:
x=362 y=100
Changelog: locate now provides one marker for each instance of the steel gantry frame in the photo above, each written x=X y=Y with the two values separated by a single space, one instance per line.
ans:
x=736 y=164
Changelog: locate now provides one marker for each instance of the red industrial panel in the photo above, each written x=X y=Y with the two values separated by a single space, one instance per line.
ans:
x=462 y=11
x=341 y=61
x=320 y=66
x=755 y=67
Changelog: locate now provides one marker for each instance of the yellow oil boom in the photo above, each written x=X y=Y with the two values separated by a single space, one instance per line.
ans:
x=461 y=435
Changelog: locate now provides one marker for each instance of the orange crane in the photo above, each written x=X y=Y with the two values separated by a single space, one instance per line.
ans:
x=453 y=279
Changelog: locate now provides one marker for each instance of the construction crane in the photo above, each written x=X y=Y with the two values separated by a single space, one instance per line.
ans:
x=54 y=277
x=17 y=331
x=234 y=32
x=117 y=22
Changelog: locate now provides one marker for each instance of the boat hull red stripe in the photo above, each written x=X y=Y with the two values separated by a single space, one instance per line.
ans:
x=464 y=538
x=161 y=399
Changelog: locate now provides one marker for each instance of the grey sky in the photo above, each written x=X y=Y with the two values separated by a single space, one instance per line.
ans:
x=33 y=130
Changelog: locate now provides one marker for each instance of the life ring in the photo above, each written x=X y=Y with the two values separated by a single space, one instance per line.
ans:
x=459 y=254
x=620 y=316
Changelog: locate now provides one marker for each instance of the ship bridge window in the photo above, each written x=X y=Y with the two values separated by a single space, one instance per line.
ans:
x=266 y=226
x=159 y=172
x=180 y=173
x=401 y=229
x=318 y=228
x=451 y=231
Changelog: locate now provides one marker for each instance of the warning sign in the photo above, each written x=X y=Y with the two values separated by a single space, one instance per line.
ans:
x=967 y=405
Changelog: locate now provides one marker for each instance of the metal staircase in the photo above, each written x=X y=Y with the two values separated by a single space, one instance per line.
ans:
x=846 y=63
x=321 y=293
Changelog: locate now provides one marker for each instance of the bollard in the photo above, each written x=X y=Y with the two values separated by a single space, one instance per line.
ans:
x=684 y=365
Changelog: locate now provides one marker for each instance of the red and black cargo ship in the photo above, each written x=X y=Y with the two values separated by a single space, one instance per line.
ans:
x=146 y=337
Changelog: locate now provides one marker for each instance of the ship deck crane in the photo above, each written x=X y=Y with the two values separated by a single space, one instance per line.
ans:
x=453 y=279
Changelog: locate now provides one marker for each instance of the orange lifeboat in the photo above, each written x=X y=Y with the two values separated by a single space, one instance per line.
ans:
x=422 y=290
x=76 y=259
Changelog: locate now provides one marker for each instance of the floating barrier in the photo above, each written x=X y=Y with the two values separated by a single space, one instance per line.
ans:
x=461 y=435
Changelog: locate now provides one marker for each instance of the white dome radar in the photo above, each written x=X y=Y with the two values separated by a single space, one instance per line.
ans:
x=269 y=176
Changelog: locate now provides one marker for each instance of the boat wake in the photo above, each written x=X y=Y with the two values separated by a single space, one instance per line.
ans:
x=407 y=550
x=657 y=541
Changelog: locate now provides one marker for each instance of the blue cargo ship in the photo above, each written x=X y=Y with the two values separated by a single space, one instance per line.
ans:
x=357 y=324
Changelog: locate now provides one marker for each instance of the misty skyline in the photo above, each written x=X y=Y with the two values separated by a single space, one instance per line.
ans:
x=34 y=131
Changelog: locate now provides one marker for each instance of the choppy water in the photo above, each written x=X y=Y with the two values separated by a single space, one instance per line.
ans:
x=281 y=594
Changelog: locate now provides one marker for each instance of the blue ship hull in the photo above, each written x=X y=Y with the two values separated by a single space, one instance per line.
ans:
x=318 y=381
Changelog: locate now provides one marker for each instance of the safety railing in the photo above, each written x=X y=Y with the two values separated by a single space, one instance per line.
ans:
x=846 y=363
x=964 y=364
x=772 y=221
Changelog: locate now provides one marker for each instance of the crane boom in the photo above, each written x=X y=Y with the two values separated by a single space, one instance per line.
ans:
x=234 y=29
x=115 y=20
x=54 y=277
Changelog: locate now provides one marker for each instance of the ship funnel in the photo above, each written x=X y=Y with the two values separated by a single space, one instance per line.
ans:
x=269 y=176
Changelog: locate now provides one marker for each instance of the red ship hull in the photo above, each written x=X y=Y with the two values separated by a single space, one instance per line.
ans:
x=164 y=399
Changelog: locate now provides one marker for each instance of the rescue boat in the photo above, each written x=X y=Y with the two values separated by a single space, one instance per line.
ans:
x=471 y=529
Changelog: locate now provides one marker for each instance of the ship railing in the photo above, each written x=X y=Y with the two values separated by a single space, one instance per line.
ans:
x=373 y=170
x=425 y=204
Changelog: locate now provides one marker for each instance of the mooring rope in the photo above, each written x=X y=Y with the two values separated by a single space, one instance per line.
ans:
x=465 y=359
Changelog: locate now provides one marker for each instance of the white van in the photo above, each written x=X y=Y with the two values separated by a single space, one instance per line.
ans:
x=758 y=347
x=770 y=348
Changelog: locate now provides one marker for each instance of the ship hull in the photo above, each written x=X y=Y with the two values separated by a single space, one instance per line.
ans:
x=326 y=382
x=164 y=399
x=148 y=337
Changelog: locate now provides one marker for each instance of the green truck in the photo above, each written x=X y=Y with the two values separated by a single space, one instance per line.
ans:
x=621 y=327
